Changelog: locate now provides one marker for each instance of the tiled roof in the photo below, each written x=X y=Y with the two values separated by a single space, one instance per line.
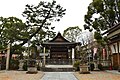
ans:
x=112 y=29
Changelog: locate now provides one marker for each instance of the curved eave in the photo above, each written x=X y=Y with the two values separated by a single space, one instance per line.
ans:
x=59 y=43
x=73 y=44
x=112 y=29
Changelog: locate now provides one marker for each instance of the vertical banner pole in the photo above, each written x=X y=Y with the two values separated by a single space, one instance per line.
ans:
x=44 y=56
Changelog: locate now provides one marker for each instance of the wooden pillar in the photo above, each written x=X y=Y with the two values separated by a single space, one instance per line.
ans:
x=8 y=57
x=118 y=53
x=73 y=55
x=44 y=58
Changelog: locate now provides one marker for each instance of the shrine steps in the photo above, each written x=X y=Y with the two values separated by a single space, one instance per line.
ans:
x=58 y=68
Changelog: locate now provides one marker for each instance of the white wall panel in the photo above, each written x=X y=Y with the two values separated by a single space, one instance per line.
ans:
x=112 y=49
x=116 y=47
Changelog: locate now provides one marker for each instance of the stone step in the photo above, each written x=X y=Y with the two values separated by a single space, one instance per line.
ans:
x=46 y=69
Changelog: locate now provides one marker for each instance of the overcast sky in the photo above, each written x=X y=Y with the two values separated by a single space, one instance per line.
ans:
x=76 y=9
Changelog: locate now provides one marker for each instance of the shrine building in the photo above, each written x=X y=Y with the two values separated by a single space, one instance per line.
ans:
x=60 y=49
x=113 y=35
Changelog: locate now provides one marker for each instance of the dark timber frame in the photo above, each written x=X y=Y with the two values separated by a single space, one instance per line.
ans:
x=113 y=35
x=60 y=48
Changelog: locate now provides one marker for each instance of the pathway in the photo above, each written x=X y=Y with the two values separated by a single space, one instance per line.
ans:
x=59 y=76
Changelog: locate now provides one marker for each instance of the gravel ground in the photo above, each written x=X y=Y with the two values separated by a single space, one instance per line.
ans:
x=94 y=75
x=97 y=75
x=20 y=75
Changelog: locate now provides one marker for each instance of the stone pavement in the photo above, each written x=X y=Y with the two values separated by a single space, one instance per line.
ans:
x=98 y=75
x=59 y=76
x=113 y=71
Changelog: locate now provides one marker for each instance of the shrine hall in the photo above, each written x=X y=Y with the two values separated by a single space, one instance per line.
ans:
x=60 y=49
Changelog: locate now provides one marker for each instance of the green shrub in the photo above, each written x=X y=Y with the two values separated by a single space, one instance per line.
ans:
x=25 y=66
x=92 y=67
x=31 y=63
x=14 y=64
x=106 y=67
x=76 y=65
x=115 y=67
x=100 y=66
x=3 y=64
x=38 y=67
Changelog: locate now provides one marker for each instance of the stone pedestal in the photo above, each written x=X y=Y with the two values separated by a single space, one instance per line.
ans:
x=21 y=63
x=96 y=66
x=32 y=68
x=84 y=69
